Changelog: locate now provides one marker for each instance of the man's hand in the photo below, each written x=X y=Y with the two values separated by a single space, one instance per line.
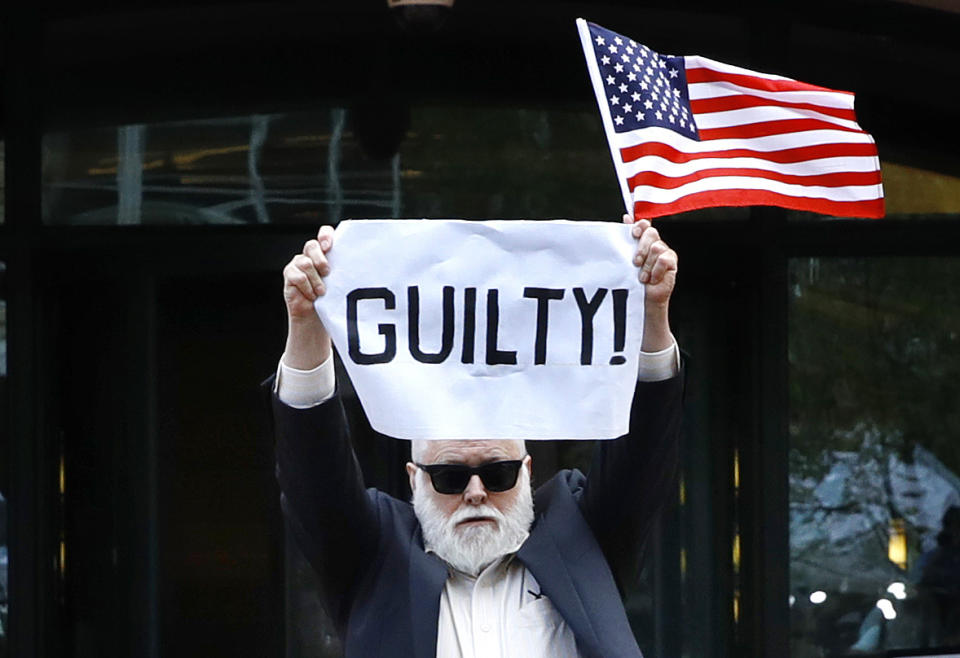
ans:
x=658 y=271
x=308 y=343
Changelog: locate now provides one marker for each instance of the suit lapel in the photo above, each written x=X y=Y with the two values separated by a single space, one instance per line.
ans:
x=567 y=562
x=542 y=555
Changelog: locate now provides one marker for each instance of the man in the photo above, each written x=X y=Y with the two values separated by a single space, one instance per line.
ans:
x=478 y=565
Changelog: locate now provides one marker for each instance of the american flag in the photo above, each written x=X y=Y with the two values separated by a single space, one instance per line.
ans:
x=688 y=132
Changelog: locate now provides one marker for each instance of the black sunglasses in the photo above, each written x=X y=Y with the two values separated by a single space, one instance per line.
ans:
x=454 y=478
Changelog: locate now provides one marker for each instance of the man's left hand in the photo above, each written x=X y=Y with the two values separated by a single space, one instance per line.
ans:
x=657 y=265
x=656 y=260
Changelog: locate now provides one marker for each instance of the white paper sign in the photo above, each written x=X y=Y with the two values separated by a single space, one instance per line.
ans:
x=455 y=329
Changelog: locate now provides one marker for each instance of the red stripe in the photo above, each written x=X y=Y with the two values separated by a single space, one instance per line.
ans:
x=785 y=156
x=839 y=179
x=709 y=75
x=767 y=128
x=872 y=208
x=742 y=101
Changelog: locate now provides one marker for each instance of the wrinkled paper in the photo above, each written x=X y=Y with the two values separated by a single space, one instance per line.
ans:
x=453 y=329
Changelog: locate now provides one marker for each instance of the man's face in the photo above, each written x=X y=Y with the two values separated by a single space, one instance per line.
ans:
x=472 y=528
x=471 y=453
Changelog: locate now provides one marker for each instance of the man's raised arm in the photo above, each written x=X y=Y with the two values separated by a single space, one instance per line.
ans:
x=632 y=477
x=322 y=486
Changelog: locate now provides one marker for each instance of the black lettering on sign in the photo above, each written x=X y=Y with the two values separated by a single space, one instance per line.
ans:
x=619 y=325
x=413 y=326
x=543 y=297
x=469 y=324
x=588 y=309
x=496 y=356
x=388 y=331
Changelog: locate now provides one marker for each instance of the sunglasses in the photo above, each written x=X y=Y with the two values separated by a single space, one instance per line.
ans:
x=454 y=478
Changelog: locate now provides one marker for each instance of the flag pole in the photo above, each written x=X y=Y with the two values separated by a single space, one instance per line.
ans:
x=608 y=129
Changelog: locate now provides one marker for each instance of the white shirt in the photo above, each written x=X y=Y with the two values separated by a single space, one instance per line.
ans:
x=501 y=612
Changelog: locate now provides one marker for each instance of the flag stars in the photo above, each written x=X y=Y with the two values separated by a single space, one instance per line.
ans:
x=645 y=88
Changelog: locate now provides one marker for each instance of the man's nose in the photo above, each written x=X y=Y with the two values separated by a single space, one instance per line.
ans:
x=475 y=494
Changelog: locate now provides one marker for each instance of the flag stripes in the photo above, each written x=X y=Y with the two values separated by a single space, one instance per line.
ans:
x=726 y=103
x=800 y=154
x=714 y=198
x=845 y=179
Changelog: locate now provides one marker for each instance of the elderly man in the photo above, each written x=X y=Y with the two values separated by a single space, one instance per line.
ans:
x=479 y=565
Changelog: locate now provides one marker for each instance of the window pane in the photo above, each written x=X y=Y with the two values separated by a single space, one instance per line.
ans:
x=874 y=456
x=3 y=182
x=332 y=163
x=4 y=563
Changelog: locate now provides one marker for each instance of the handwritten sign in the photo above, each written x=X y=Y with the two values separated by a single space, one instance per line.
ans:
x=454 y=329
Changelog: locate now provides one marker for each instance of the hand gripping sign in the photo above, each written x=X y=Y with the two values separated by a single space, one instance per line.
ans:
x=454 y=329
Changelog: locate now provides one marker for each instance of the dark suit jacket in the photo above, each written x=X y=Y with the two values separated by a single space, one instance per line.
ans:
x=384 y=591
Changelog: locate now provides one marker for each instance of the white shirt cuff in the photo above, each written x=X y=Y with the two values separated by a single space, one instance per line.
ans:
x=302 y=389
x=658 y=366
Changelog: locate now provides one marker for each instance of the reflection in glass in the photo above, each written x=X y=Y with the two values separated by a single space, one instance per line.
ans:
x=3 y=181
x=4 y=561
x=332 y=163
x=320 y=166
x=874 y=456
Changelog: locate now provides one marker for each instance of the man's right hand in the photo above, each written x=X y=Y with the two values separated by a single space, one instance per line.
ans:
x=308 y=343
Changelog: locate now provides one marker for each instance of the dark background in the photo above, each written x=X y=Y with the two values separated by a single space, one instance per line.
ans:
x=134 y=352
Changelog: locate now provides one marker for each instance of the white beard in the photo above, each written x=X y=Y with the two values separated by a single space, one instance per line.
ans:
x=473 y=548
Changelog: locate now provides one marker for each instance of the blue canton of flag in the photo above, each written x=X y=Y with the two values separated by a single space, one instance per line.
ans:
x=643 y=88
